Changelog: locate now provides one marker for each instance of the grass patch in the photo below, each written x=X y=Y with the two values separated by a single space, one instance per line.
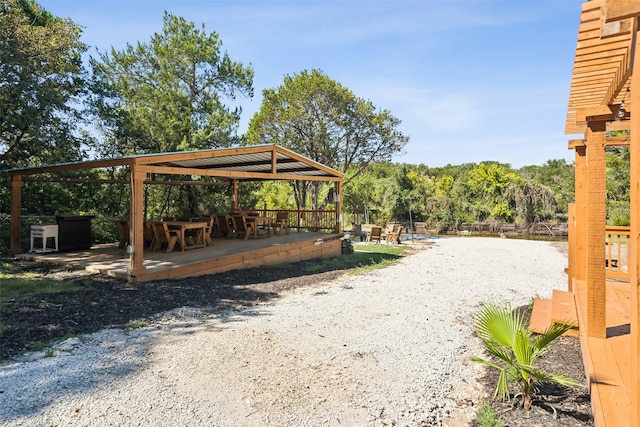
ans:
x=15 y=284
x=136 y=324
x=486 y=417
x=365 y=258
x=37 y=346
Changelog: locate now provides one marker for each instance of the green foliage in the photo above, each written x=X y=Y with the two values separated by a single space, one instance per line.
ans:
x=618 y=186
x=168 y=94
x=319 y=118
x=506 y=337
x=41 y=77
x=486 y=417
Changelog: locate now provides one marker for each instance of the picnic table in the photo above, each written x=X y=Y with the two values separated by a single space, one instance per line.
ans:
x=188 y=241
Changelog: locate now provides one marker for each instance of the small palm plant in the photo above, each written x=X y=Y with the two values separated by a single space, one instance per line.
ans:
x=505 y=335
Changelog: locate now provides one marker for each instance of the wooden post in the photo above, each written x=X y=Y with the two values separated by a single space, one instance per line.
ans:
x=136 y=256
x=338 y=228
x=15 y=242
x=596 y=222
x=633 y=245
x=580 y=269
x=234 y=195
x=572 y=246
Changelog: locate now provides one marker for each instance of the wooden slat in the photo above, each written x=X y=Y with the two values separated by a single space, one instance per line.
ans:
x=610 y=401
x=621 y=9
x=607 y=46
x=607 y=362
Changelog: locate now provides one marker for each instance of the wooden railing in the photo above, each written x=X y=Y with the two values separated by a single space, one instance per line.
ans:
x=305 y=220
x=617 y=253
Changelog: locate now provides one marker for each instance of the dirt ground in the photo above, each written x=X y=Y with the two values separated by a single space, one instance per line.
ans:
x=106 y=302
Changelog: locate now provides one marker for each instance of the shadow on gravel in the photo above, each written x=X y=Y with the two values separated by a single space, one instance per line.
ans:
x=105 y=302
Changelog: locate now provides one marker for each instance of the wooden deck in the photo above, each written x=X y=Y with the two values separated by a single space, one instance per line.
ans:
x=223 y=255
x=607 y=361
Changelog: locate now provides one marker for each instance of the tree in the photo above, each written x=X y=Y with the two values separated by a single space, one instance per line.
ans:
x=324 y=121
x=168 y=95
x=41 y=76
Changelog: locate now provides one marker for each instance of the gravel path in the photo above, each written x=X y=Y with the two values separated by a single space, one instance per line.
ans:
x=390 y=347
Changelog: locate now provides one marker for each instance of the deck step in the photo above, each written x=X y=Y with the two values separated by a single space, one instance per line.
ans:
x=543 y=311
x=540 y=315
x=564 y=308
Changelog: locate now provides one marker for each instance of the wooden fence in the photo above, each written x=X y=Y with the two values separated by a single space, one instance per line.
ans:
x=305 y=220
x=616 y=252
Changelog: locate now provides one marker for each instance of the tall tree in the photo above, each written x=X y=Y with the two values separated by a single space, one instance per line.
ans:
x=323 y=120
x=169 y=94
x=41 y=76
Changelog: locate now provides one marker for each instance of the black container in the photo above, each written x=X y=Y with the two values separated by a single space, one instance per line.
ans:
x=74 y=232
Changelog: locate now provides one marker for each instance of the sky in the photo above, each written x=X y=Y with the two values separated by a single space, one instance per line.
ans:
x=471 y=80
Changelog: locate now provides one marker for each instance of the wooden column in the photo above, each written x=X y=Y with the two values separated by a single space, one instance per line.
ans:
x=338 y=188
x=234 y=195
x=580 y=269
x=634 y=243
x=596 y=222
x=572 y=246
x=136 y=256
x=15 y=243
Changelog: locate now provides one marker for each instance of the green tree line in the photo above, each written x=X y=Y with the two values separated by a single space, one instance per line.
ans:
x=180 y=91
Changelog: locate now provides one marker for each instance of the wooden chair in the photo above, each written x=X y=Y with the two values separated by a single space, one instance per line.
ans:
x=240 y=226
x=148 y=233
x=163 y=235
x=123 y=230
x=394 y=236
x=222 y=226
x=375 y=235
x=232 y=226
x=250 y=227
x=208 y=229
x=282 y=222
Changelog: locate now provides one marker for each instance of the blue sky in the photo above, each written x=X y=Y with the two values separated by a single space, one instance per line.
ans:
x=471 y=80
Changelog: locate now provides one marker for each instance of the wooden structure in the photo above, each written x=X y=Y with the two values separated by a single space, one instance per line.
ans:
x=224 y=255
x=231 y=165
x=604 y=93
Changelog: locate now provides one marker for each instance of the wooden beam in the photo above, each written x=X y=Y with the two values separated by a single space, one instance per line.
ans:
x=15 y=242
x=571 y=267
x=596 y=222
x=615 y=28
x=235 y=174
x=581 y=213
x=616 y=141
x=338 y=192
x=618 y=125
x=575 y=143
x=136 y=255
x=234 y=195
x=119 y=181
x=64 y=167
x=602 y=113
x=616 y=10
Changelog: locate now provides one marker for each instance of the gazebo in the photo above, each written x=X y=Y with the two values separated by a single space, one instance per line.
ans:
x=232 y=165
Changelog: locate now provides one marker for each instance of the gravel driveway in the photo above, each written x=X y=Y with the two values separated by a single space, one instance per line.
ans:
x=390 y=347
